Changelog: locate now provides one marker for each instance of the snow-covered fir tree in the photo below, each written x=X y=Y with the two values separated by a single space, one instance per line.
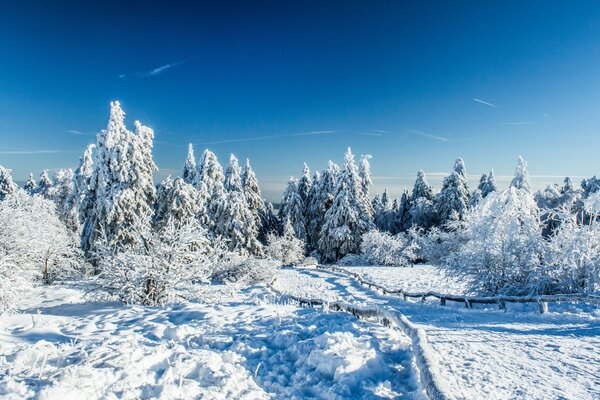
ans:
x=237 y=224
x=521 y=179
x=178 y=201
x=79 y=199
x=210 y=184
x=121 y=187
x=364 y=172
x=31 y=184
x=252 y=193
x=347 y=219
x=292 y=209
x=44 y=185
x=190 y=169
x=422 y=209
x=269 y=224
x=304 y=184
x=384 y=216
x=452 y=202
x=7 y=186
x=320 y=201
x=402 y=216
x=487 y=184
x=61 y=193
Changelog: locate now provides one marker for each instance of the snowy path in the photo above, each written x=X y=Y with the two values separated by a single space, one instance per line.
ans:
x=486 y=353
x=248 y=346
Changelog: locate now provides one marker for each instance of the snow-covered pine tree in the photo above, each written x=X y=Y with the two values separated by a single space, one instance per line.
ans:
x=209 y=182
x=422 y=209
x=7 y=186
x=385 y=217
x=364 y=172
x=79 y=199
x=269 y=224
x=121 y=187
x=61 y=193
x=304 y=185
x=44 y=185
x=521 y=179
x=347 y=219
x=31 y=185
x=252 y=193
x=178 y=201
x=320 y=202
x=237 y=224
x=190 y=169
x=376 y=204
x=311 y=210
x=453 y=200
x=285 y=248
x=292 y=208
x=487 y=184
x=402 y=216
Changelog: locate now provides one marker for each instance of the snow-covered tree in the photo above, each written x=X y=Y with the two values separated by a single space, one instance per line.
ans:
x=304 y=185
x=364 y=172
x=7 y=186
x=320 y=201
x=237 y=224
x=503 y=254
x=159 y=267
x=384 y=216
x=487 y=184
x=252 y=193
x=453 y=200
x=383 y=248
x=44 y=185
x=121 y=186
x=422 y=209
x=81 y=204
x=292 y=209
x=269 y=224
x=285 y=248
x=31 y=185
x=178 y=201
x=210 y=183
x=61 y=193
x=521 y=179
x=35 y=241
x=574 y=251
x=347 y=219
x=402 y=216
x=190 y=169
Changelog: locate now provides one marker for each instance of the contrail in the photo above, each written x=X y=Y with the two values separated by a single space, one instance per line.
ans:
x=314 y=133
x=484 y=102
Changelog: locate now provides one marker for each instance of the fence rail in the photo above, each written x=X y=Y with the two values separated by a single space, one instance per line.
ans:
x=541 y=300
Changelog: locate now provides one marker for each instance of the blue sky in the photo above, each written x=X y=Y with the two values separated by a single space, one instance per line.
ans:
x=413 y=83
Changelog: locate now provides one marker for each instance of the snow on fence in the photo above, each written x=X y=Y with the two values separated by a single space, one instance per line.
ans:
x=542 y=300
x=425 y=358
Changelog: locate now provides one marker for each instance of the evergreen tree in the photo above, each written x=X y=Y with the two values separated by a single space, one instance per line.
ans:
x=62 y=194
x=189 y=169
x=178 y=201
x=7 y=186
x=304 y=185
x=384 y=216
x=269 y=224
x=44 y=185
x=31 y=185
x=121 y=186
x=347 y=219
x=364 y=172
x=320 y=201
x=292 y=209
x=487 y=184
x=422 y=209
x=209 y=182
x=452 y=203
x=80 y=200
x=521 y=179
x=233 y=175
x=252 y=193
x=403 y=218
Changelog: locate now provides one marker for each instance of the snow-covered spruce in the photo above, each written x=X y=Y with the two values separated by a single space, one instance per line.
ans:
x=7 y=186
x=286 y=248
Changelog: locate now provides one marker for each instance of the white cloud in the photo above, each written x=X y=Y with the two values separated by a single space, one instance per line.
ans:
x=428 y=135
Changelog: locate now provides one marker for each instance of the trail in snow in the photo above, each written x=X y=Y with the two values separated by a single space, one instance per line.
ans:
x=486 y=353
x=247 y=346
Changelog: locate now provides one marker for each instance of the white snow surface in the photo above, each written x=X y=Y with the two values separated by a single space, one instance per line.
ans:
x=230 y=344
x=485 y=353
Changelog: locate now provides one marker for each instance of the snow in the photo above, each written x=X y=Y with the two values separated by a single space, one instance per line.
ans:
x=249 y=345
x=483 y=353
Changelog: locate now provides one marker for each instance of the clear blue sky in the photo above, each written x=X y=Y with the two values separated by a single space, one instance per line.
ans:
x=394 y=79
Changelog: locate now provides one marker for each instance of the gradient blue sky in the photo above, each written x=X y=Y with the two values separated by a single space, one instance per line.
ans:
x=399 y=80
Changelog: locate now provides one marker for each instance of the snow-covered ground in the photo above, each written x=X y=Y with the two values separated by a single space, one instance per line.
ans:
x=485 y=354
x=233 y=345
